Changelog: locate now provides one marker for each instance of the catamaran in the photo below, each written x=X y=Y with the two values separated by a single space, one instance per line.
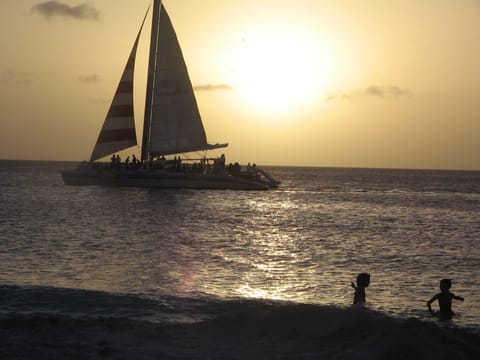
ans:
x=172 y=127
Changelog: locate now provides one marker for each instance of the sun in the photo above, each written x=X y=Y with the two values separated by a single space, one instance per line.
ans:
x=277 y=70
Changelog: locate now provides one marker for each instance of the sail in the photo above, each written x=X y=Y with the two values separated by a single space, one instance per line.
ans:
x=172 y=120
x=118 y=131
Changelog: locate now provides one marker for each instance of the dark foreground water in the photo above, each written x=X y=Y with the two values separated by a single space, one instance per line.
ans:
x=94 y=272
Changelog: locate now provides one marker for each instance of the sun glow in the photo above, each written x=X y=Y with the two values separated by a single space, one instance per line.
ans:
x=279 y=70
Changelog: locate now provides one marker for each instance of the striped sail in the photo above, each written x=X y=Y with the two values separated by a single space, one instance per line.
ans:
x=172 y=120
x=118 y=131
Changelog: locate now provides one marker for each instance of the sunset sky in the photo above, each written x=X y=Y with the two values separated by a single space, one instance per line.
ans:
x=344 y=83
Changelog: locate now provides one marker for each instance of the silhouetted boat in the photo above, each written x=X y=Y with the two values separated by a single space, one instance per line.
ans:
x=172 y=126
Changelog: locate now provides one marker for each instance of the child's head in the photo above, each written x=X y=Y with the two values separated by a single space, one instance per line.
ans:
x=363 y=279
x=445 y=284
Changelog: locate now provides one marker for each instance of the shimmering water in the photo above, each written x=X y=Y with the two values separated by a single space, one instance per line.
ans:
x=304 y=242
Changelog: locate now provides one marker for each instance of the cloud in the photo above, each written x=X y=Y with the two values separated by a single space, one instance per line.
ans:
x=90 y=79
x=387 y=91
x=212 y=87
x=394 y=92
x=9 y=76
x=53 y=8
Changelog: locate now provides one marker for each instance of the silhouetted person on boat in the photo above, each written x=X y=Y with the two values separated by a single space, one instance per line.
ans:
x=363 y=280
x=135 y=162
x=444 y=301
x=234 y=169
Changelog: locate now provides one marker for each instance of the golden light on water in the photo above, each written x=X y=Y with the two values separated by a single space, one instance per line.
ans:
x=274 y=293
x=271 y=270
x=250 y=292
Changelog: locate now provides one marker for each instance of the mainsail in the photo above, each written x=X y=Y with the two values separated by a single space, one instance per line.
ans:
x=118 y=130
x=172 y=120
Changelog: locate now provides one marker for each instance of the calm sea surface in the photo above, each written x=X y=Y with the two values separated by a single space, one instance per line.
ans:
x=304 y=242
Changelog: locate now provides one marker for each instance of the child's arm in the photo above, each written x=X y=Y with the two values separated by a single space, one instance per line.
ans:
x=353 y=286
x=458 y=297
x=429 y=304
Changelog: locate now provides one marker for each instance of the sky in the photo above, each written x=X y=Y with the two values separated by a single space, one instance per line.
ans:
x=342 y=83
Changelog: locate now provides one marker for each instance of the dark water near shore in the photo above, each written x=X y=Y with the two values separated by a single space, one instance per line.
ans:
x=187 y=263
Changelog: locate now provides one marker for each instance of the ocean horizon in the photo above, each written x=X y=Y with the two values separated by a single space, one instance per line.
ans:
x=74 y=163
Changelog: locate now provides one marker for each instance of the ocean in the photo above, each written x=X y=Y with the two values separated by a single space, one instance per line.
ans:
x=133 y=273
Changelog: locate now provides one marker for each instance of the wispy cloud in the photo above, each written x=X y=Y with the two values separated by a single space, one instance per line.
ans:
x=90 y=79
x=53 y=8
x=394 y=92
x=387 y=91
x=212 y=87
x=9 y=77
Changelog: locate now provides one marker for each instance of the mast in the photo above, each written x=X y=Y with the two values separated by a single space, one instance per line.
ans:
x=151 y=78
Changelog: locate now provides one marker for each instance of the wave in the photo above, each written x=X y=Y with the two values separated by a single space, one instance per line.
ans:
x=47 y=323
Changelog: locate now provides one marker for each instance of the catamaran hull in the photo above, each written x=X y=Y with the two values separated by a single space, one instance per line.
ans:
x=153 y=179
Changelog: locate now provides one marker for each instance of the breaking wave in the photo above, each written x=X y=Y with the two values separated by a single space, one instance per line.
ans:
x=47 y=323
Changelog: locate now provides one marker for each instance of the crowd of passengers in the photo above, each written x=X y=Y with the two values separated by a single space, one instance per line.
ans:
x=203 y=166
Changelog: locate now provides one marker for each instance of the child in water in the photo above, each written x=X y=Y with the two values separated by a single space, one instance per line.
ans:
x=363 y=280
x=444 y=300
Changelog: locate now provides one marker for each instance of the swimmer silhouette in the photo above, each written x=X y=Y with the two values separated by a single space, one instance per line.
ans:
x=363 y=280
x=444 y=301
